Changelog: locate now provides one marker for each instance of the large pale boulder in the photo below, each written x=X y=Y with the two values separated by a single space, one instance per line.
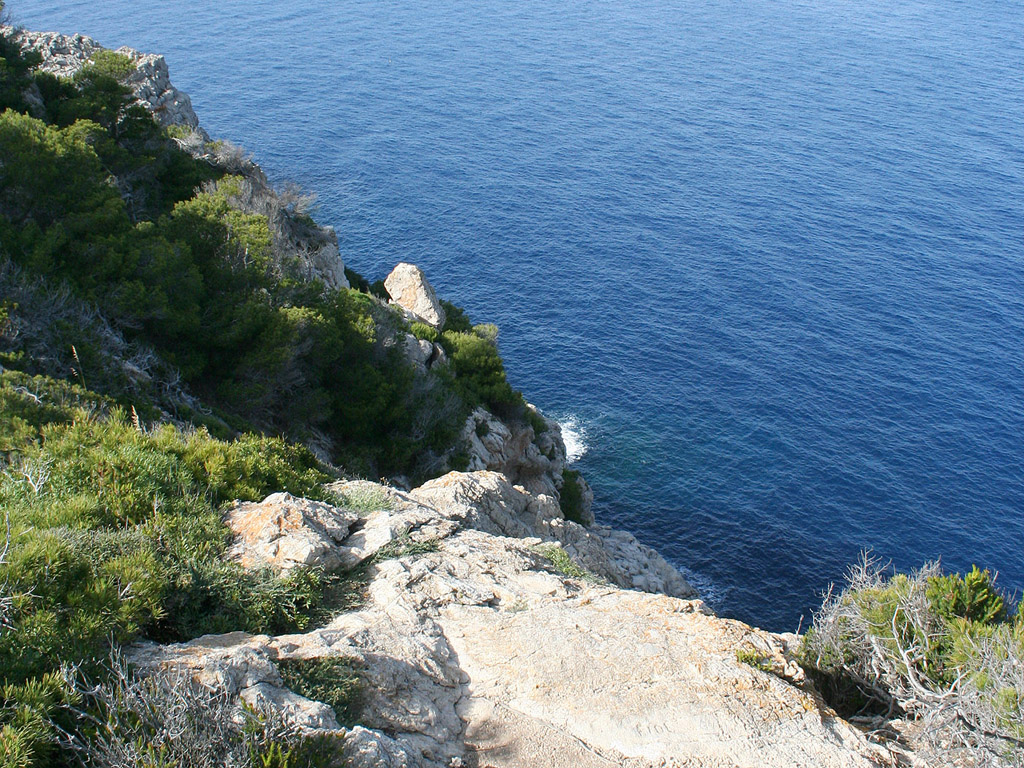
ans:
x=408 y=288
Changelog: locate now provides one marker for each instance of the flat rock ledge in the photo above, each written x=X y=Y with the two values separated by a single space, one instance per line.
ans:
x=484 y=648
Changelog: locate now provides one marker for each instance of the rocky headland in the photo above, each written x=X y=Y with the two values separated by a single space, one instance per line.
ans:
x=492 y=630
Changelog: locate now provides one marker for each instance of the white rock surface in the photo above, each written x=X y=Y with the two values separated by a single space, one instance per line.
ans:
x=488 y=502
x=64 y=55
x=298 y=710
x=533 y=461
x=419 y=352
x=481 y=653
x=409 y=289
x=286 y=532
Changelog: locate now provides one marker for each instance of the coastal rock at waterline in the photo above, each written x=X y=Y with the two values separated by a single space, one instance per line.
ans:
x=285 y=532
x=480 y=651
x=516 y=451
x=409 y=289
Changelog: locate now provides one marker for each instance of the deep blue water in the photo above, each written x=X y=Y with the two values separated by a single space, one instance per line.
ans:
x=766 y=255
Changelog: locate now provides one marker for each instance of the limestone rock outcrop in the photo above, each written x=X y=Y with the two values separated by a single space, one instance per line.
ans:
x=534 y=461
x=64 y=55
x=422 y=354
x=285 y=532
x=488 y=645
x=408 y=288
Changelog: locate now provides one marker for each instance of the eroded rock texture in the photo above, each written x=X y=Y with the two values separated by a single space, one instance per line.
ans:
x=484 y=652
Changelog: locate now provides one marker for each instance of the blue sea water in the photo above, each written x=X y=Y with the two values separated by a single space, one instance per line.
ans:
x=764 y=257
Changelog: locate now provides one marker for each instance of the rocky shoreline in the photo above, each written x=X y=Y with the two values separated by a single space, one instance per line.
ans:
x=493 y=631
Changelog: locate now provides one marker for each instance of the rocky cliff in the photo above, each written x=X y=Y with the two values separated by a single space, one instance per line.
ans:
x=492 y=631
x=64 y=55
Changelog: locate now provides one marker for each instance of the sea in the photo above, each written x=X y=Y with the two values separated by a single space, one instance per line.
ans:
x=763 y=259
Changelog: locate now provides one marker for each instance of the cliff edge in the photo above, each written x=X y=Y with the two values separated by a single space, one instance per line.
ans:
x=495 y=633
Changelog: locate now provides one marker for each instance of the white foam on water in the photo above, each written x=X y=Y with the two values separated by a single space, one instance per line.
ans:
x=575 y=436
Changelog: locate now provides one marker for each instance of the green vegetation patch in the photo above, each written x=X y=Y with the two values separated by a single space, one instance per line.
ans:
x=754 y=659
x=564 y=564
x=115 y=533
x=570 y=496
x=333 y=680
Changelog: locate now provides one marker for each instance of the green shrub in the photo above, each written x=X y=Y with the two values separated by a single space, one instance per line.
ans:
x=480 y=373
x=535 y=420
x=939 y=648
x=111 y=64
x=456 y=319
x=363 y=498
x=570 y=496
x=424 y=331
x=564 y=564
x=118 y=530
x=972 y=596
x=15 y=72
x=167 y=718
x=754 y=659
x=333 y=680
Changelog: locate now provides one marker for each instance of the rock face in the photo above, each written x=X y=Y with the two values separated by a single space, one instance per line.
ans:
x=409 y=289
x=533 y=461
x=285 y=532
x=482 y=645
x=64 y=55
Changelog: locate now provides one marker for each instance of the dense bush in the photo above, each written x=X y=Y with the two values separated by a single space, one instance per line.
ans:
x=570 y=496
x=939 y=648
x=479 y=371
x=117 y=533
